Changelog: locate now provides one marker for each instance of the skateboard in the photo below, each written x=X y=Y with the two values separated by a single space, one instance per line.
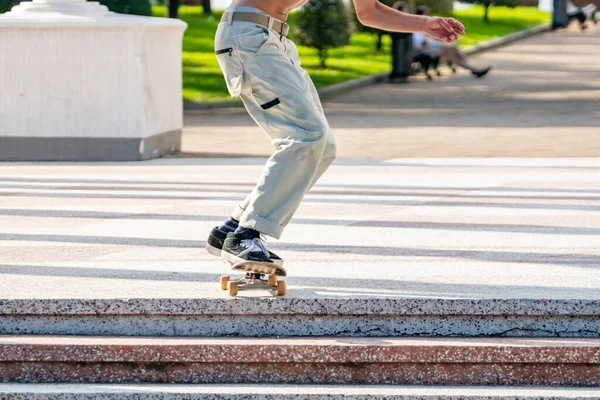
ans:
x=259 y=276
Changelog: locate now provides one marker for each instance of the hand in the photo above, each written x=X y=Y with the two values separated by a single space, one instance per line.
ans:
x=444 y=29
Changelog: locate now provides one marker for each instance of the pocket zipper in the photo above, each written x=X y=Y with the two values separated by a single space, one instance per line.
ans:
x=223 y=51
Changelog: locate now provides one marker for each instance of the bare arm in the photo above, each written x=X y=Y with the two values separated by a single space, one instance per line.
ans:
x=377 y=15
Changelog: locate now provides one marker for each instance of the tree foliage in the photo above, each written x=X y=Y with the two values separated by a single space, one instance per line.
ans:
x=5 y=5
x=324 y=24
x=137 y=7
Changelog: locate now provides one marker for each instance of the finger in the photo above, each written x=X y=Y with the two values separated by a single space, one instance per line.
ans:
x=452 y=37
x=458 y=27
x=447 y=27
x=448 y=36
x=444 y=36
x=438 y=35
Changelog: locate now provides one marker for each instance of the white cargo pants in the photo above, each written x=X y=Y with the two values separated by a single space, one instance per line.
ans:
x=264 y=70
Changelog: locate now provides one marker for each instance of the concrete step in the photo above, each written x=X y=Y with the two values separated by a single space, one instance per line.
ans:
x=411 y=361
x=292 y=316
x=285 y=392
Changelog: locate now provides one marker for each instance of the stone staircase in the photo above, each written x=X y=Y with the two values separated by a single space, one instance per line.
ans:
x=299 y=348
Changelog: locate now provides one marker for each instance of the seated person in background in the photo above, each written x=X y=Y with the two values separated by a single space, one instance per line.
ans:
x=424 y=59
x=586 y=3
x=427 y=58
x=591 y=10
x=574 y=12
x=581 y=14
x=423 y=44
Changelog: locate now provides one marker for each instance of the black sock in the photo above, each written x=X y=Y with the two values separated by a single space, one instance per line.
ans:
x=247 y=233
x=229 y=226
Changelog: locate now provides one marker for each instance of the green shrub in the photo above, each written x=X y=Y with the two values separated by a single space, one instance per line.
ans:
x=137 y=7
x=323 y=25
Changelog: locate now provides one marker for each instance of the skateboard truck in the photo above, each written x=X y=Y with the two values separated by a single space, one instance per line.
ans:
x=253 y=281
x=258 y=276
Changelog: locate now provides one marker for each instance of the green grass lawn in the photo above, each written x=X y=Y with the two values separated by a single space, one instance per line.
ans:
x=503 y=20
x=203 y=81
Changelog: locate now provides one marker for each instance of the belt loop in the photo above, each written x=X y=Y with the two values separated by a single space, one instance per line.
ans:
x=271 y=20
x=230 y=18
x=284 y=27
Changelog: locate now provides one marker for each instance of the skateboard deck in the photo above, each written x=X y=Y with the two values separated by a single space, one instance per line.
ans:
x=255 y=278
x=259 y=267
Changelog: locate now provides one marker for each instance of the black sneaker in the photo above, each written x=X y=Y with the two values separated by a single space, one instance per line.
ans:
x=482 y=73
x=236 y=249
x=214 y=244
x=215 y=241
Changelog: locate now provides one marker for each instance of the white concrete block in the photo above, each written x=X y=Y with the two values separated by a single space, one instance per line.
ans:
x=78 y=82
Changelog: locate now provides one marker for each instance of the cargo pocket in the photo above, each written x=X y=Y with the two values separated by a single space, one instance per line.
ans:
x=232 y=69
x=270 y=104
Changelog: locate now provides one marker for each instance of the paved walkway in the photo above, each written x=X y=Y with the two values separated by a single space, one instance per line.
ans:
x=541 y=99
x=420 y=228
x=462 y=228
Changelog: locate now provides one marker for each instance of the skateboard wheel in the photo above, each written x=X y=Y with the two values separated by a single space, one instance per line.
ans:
x=281 y=288
x=272 y=280
x=224 y=280
x=232 y=288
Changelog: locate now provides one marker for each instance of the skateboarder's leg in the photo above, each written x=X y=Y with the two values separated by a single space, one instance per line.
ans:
x=329 y=154
x=280 y=97
x=300 y=136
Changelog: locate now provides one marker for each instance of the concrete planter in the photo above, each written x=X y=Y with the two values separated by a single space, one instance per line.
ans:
x=81 y=83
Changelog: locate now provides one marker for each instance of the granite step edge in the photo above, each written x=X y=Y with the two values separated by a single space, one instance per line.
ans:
x=286 y=392
x=107 y=349
x=300 y=306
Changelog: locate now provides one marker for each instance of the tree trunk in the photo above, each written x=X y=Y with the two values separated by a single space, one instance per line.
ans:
x=485 y=12
x=173 y=9
x=322 y=57
x=379 y=43
x=207 y=7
